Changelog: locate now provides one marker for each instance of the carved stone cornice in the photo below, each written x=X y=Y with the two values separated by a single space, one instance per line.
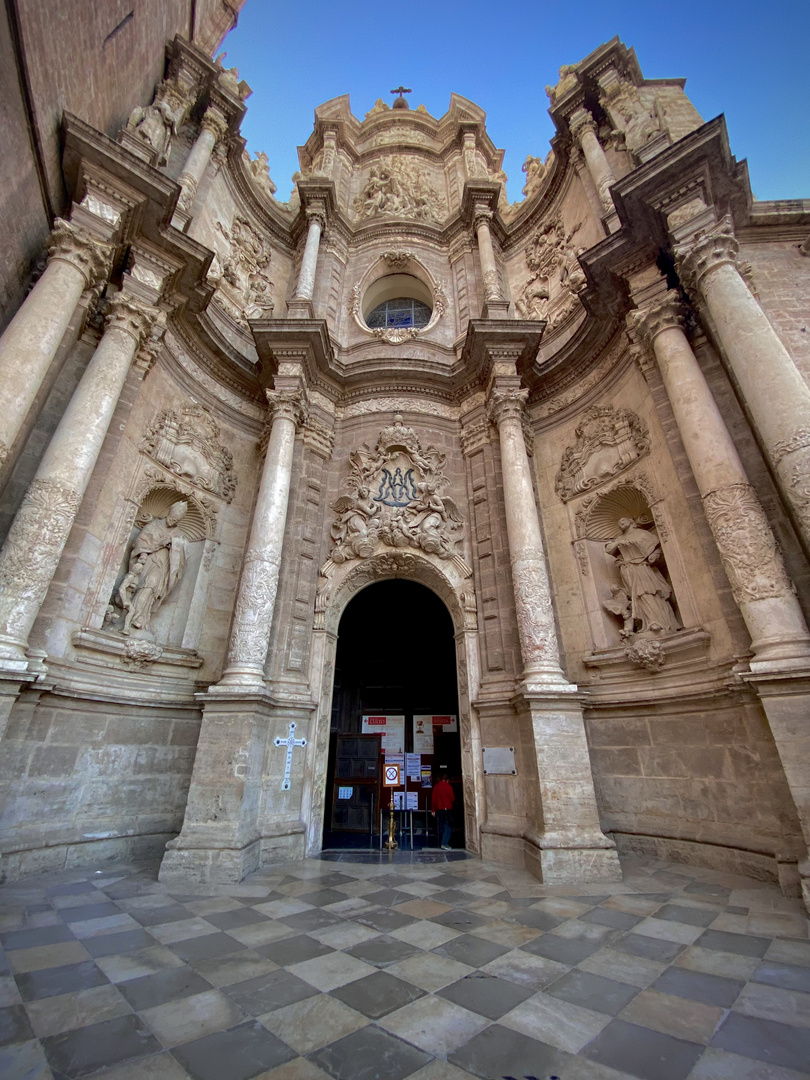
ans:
x=713 y=249
x=668 y=313
x=475 y=435
x=130 y=316
x=72 y=244
x=318 y=437
x=288 y=405
x=506 y=404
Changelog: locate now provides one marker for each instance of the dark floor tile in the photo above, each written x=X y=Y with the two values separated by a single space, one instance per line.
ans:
x=617 y=920
x=314 y=919
x=641 y=1052
x=734 y=909
x=44 y=935
x=390 y=881
x=322 y=897
x=236 y=917
x=706 y=888
x=648 y=948
x=486 y=994
x=744 y=944
x=169 y=985
x=786 y=976
x=14 y=1025
x=459 y=919
x=471 y=950
x=594 y=900
x=327 y=881
x=269 y=992
x=238 y=1054
x=498 y=1052
x=445 y=881
x=388 y=897
x=384 y=920
x=695 y=985
x=369 y=1054
x=692 y=916
x=378 y=994
x=293 y=950
x=206 y=947
x=90 y=911
x=538 y=920
x=383 y=950
x=72 y=889
x=77 y=1053
x=122 y=942
x=593 y=992
x=765 y=1040
x=157 y=916
x=50 y=982
x=565 y=950
x=122 y=890
x=454 y=897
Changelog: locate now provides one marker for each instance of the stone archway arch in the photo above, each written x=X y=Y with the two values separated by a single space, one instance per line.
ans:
x=451 y=581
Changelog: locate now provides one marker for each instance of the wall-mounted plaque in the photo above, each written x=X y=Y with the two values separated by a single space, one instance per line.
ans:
x=499 y=759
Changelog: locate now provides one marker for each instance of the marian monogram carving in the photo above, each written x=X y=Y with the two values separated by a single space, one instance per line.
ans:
x=607 y=441
x=239 y=272
x=399 y=187
x=556 y=279
x=186 y=442
x=396 y=499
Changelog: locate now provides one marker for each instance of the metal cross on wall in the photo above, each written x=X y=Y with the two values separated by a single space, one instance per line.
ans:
x=289 y=742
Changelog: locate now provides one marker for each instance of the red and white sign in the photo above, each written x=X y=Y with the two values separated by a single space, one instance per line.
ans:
x=392 y=729
x=391 y=776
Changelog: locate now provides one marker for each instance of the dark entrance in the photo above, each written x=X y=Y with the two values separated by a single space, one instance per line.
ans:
x=395 y=657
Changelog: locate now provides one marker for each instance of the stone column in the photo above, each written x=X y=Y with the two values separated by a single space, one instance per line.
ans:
x=494 y=303
x=748 y=549
x=774 y=390
x=76 y=261
x=301 y=304
x=583 y=129
x=40 y=530
x=568 y=842
x=255 y=602
x=214 y=127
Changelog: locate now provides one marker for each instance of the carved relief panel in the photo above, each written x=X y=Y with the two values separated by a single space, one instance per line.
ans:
x=555 y=278
x=608 y=440
x=400 y=187
x=240 y=272
x=187 y=443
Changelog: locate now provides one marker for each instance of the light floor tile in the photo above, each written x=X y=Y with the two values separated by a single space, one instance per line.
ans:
x=125 y=966
x=314 y=1022
x=429 y=971
x=330 y=971
x=425 y=934
x=634 y=970
x=669 y=931
x=47 y=956
x=193 y=1017
x=558 y=1023
x=53 y=1015
x=434 y=1024
x=774 y=1003
x=690 y=1020
x=716 y=962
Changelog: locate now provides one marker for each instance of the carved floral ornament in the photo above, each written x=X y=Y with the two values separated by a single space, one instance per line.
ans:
x=608 y=440
x=396 y=499
x=552 y=290
x=186 y=441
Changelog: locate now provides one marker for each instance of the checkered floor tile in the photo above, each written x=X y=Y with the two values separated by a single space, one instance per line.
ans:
x=356 y=966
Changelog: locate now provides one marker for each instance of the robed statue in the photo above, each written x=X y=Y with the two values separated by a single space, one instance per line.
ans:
x=646 y=590
x=156 y=564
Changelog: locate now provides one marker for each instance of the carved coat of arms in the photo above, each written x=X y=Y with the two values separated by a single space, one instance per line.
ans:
x=187 y=443
x=608 y=440
x=395 y=498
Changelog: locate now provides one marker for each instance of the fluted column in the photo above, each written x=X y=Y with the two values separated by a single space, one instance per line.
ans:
x=775 y=392
x=583 y=129
x=258 y=585
x=213 y=127
x=493 y=286
x=748 y=549
x=76 y=261
x=535 y=615
x=40 y=530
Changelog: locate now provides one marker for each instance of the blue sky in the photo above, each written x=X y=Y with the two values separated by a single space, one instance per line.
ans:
x=747 y=60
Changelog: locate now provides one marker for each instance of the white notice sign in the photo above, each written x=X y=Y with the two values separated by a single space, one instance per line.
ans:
x=422 y=735
x=392 y=730
x=499 y=759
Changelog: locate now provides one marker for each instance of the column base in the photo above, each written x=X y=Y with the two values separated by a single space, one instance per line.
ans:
x=300 y=309
x=9 y=692
x=188 y=866
x=495 y=309
x=561 y=866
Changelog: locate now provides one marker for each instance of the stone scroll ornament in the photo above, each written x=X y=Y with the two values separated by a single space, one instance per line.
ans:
x=608 y=440
x=396 y=499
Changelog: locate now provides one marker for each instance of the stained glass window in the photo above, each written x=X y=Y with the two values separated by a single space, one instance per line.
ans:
x=402 y=311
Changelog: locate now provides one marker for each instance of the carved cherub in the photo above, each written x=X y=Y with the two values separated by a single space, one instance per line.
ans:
x=353 y=531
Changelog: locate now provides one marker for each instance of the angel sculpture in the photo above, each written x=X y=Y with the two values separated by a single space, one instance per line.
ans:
x=353 y=531
x=433 y=521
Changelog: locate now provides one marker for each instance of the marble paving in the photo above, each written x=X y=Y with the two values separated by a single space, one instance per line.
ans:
x=432 y=966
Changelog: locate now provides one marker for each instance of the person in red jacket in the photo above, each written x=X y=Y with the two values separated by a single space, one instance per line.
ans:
x=441 y=805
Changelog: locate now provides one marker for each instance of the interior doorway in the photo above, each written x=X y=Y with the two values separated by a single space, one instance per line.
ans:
x=395 y=689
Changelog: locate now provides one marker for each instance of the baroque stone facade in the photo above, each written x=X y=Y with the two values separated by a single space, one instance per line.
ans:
x=222 y=416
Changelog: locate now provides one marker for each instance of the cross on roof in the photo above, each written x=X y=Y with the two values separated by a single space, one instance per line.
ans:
x=401 y=90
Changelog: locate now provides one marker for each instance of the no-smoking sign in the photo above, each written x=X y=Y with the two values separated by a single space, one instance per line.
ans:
x=390 y=775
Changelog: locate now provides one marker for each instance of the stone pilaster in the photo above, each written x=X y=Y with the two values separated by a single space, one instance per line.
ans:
x=775 y=392
x=583 y=130
x=40 y=530
x=76 y=261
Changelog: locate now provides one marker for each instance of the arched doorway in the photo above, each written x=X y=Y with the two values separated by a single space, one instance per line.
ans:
x=395 y=661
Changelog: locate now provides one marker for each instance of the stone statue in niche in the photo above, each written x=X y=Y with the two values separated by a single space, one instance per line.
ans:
x=607 y=441
x=240 y=273
x=396 y=499
x=156 y=564
x=628 y=113
x=399 y=187
x=645 y=589
x=187 y=443
x=158 y=123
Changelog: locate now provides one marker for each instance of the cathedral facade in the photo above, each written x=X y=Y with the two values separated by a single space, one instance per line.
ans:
x=574 y=430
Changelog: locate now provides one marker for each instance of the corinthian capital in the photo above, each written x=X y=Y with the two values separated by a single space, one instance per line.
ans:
x=581 y=122
x=649 y=321
x=706 y=253
x=289 y=405
x=506 y=405
x=73 y=244
x=482 y=217
x=131 y=316
x=317 y=214
x=215 y=122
